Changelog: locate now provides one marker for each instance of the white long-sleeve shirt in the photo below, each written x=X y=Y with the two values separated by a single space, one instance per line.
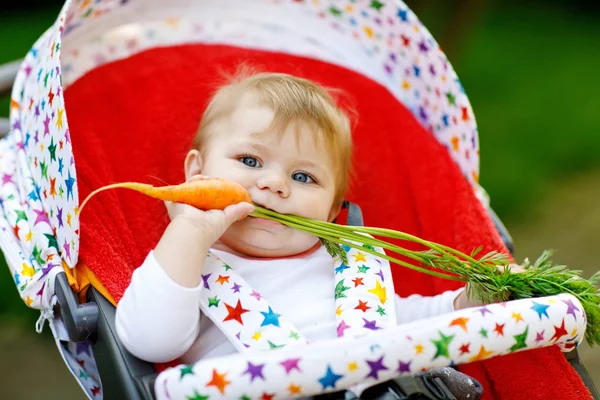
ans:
x=158 y=320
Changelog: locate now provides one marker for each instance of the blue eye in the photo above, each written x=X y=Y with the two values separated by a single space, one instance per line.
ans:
x=250 y=161
x=302 y=177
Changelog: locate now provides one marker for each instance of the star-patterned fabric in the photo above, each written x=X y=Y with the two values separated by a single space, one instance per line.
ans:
x=464 y=336
x=364 y=295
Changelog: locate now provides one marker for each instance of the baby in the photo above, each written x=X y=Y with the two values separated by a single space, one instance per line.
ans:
x=287 y=142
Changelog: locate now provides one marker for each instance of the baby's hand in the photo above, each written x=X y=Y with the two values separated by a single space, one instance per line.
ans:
x=210 y=224
x=463 y=301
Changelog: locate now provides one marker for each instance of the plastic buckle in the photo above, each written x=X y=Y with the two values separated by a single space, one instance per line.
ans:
x=410 y=388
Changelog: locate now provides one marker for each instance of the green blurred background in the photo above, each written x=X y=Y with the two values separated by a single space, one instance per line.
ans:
x=531 y=71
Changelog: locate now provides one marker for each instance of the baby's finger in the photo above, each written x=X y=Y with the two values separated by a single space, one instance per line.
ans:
x=237 y=212
x=197 y=178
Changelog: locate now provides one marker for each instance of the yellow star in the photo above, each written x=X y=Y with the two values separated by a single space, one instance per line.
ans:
x=462 y=322
x=368 y=31
x=353 y=366
x=551 y=301
x=294 y=389
x=338 y=310
x=379 y=291
x=69 y=219
x=574 y=332
x=405 y=85
x=76 y=210
x=419 y=348
x=59 y=118
x=256 y=336
x=359 y=257
x=172 y=22
x=28 y=236
x=28 y=300
x=517 y=317
x=482 y=355
x=27 y=270
x=349 y=8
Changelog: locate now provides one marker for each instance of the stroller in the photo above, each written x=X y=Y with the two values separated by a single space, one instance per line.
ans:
x=135 y=76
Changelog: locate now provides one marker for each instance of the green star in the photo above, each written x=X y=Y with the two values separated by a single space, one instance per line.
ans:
x=61 y=191
x=483 y=332
x=520 y=340
x=376 y=5
x=335 y=11
x=340 y=289
x=368 y=246
x=20 y=216
x=197 y=396
x=44 y=168
x=363 y=269
x=213 y=301
x=294 y=335
x=83 y=374
x=451 y=98
x=274 y=346
x=442 y=345
x=37 y=254
x=244 y=397
x=51 y=241
x=381 y=311
x=87 y=13
x=187 y=370
x=52 y=150
x=227 y=267
x=46 y=79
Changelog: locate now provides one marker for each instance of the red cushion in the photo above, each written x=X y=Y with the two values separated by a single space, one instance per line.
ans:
x=132 y=120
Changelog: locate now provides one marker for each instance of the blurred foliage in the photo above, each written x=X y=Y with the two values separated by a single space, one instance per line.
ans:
x=529 y=68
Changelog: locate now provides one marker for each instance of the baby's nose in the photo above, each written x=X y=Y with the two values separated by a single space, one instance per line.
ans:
x=275 y=183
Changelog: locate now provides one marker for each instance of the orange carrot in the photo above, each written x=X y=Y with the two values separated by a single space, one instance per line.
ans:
x=205 y=194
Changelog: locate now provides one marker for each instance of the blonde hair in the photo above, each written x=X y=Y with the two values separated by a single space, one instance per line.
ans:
x=293 y=100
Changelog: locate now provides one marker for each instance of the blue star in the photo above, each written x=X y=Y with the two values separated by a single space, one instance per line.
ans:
x=445 y=119
x=540 y=309
x=341 y=268
x=33 y=195
x=417 y=70
x=60 y=165
x=70 y=181
x=346 y=248
x=270 y=318
x=16 y=279
x=403 y=14
x=330 y=378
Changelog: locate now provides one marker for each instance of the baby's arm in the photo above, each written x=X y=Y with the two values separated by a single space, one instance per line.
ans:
x=417 y=307
x=157 y=320
x=158 y=316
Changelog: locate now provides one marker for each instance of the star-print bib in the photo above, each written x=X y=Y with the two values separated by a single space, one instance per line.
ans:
x=364 y=302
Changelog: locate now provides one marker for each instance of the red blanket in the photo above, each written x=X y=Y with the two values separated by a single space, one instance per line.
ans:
x=132 y=120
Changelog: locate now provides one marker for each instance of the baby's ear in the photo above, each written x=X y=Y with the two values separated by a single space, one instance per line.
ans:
x=192 y=164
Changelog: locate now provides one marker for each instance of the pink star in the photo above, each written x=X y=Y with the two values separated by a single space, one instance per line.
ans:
x=539 y=336
x=255 y=294
x=341 y=328
x=7 y=179
x=290 y=364
x=47 y=125
x=41 y=217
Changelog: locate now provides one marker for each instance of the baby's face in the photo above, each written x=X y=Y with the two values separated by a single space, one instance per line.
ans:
x=289 y=173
